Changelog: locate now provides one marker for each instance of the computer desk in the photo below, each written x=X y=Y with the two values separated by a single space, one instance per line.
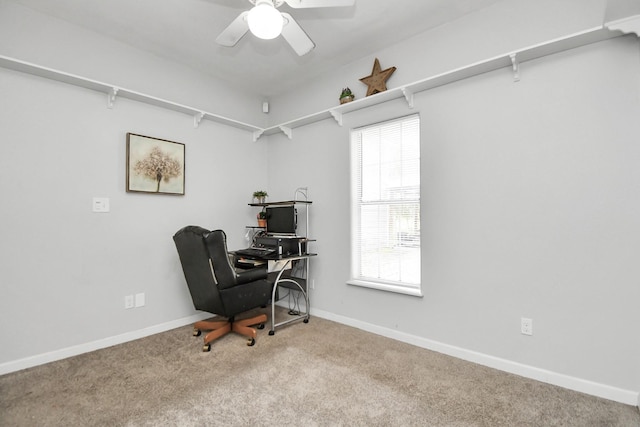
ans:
x=280 y=264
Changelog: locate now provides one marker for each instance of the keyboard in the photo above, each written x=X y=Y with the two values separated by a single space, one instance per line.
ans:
x=256 y=252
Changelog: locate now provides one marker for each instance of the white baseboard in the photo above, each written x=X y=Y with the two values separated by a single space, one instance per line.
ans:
x=604 y=391
x=41 y=359
x=627 y=397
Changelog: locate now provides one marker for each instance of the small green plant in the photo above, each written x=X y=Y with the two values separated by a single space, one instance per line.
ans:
x=260 y=193
x=262 y=215
x=346 y=93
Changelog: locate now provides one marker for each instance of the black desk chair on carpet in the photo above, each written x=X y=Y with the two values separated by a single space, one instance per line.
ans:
x=217 y=288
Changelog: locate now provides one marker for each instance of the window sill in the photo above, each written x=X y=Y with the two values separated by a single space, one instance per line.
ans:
x=416 y=292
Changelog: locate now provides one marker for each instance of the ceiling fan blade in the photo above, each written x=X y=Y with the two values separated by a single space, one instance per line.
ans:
x=295 y=35
x=234 y=32
x=299 y=4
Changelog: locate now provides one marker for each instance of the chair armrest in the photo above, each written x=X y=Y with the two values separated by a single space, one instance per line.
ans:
x=252 y=275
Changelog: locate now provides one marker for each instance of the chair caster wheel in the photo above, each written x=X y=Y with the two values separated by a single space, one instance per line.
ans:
x=272 y=332
x=196 y=332
x=260 y=326
x=306 y=320
x=251 y=342
x=206 y=348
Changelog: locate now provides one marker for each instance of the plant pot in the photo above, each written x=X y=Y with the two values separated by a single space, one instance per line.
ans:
x=262 y=223
x=346 y=99
x=260 y=199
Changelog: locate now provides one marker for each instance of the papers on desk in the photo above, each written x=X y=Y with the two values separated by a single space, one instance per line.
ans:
x=250 y=262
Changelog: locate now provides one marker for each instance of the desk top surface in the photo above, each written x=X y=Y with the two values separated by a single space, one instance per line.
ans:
x=275 y=257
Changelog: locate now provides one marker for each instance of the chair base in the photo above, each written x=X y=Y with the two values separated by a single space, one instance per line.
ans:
x=220 y=328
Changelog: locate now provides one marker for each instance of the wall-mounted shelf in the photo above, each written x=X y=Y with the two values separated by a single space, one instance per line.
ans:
x=113 y=92
x=512 y=59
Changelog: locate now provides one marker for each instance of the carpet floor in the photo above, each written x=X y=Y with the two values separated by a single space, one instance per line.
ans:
x=316 y=374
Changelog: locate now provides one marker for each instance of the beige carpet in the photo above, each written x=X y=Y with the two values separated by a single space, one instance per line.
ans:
x=316 y=374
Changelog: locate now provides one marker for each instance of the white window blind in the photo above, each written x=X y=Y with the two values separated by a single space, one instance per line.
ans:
x=385 y=184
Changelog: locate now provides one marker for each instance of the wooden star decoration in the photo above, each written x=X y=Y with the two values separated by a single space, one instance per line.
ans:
x=378 y=78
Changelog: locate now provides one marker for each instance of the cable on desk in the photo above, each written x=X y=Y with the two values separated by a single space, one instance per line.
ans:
x=295 y=309
x=293 y=303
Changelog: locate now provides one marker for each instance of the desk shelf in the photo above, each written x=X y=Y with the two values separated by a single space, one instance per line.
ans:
x=283 y=203
x=287 y=275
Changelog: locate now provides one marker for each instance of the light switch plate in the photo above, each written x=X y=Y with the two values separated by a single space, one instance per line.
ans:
x=100 y=204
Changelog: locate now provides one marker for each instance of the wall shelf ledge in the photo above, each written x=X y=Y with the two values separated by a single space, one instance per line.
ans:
x=112 y=91
x=512 y=59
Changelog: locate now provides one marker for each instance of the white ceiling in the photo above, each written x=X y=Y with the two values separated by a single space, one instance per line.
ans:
x=185 y=31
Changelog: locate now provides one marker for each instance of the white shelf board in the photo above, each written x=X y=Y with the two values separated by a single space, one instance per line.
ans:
x=523 y=55
x=502 y=61
x=106 y=88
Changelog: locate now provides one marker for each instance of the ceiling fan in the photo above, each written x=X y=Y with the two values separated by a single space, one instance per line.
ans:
x=266 y=22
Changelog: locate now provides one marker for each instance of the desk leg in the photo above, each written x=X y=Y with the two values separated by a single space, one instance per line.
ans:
x=273 y=302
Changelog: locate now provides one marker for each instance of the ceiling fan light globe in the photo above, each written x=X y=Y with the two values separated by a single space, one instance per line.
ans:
x=265 y=21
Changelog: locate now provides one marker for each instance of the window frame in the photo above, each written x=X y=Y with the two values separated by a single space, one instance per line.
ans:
x=356 y=203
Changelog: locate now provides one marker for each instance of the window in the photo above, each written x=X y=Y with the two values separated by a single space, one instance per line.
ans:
x=385 y=206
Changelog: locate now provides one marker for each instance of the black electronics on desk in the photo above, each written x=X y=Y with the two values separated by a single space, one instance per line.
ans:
x=281 y=220
x=280 y=234
x=283 y=245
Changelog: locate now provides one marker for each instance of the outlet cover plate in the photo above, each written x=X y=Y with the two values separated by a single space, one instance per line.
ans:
x=526 y=326
x=140 y=300
x=128 y=301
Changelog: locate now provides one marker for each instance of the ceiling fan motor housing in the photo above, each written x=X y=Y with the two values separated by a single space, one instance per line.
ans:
x=276 y=3
x=264 y=20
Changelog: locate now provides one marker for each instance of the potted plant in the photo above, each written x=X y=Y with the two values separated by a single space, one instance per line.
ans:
x=262 y=219
x=346 y=96
x=260 y=196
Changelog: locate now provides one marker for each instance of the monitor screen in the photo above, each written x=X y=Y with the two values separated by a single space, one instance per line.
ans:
x=281 y=220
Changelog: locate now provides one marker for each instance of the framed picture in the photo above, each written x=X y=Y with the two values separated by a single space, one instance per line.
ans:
x=154 y=165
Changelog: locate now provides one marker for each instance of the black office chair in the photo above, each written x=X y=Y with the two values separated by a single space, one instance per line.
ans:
x=217 y=288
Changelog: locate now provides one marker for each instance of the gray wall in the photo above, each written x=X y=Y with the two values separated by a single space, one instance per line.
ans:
x=65 y=270
x=529 y=205
x=530 y=208
x=529 y=196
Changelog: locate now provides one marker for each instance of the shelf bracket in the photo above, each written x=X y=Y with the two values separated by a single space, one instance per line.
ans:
x=627 y=25
x=337 y=115
x=408 y=95
x=287 y=131
x=257 y=134
x=516 y=67
x=197 y=118
x=111 y=97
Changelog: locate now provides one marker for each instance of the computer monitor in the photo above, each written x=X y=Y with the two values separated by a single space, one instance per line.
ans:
x=281 y=220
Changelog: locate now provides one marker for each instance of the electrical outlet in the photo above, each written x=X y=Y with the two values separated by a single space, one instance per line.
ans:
x=128 y=301
x=140 y=300
x=526 y=326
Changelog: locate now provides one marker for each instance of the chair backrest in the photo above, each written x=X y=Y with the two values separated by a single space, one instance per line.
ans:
x=194 y=257
x=226 y=275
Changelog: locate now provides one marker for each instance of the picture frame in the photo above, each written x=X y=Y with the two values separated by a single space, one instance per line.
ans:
x=155 y=165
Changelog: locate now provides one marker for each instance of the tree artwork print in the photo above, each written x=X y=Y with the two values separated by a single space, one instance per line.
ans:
x=154 y=165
